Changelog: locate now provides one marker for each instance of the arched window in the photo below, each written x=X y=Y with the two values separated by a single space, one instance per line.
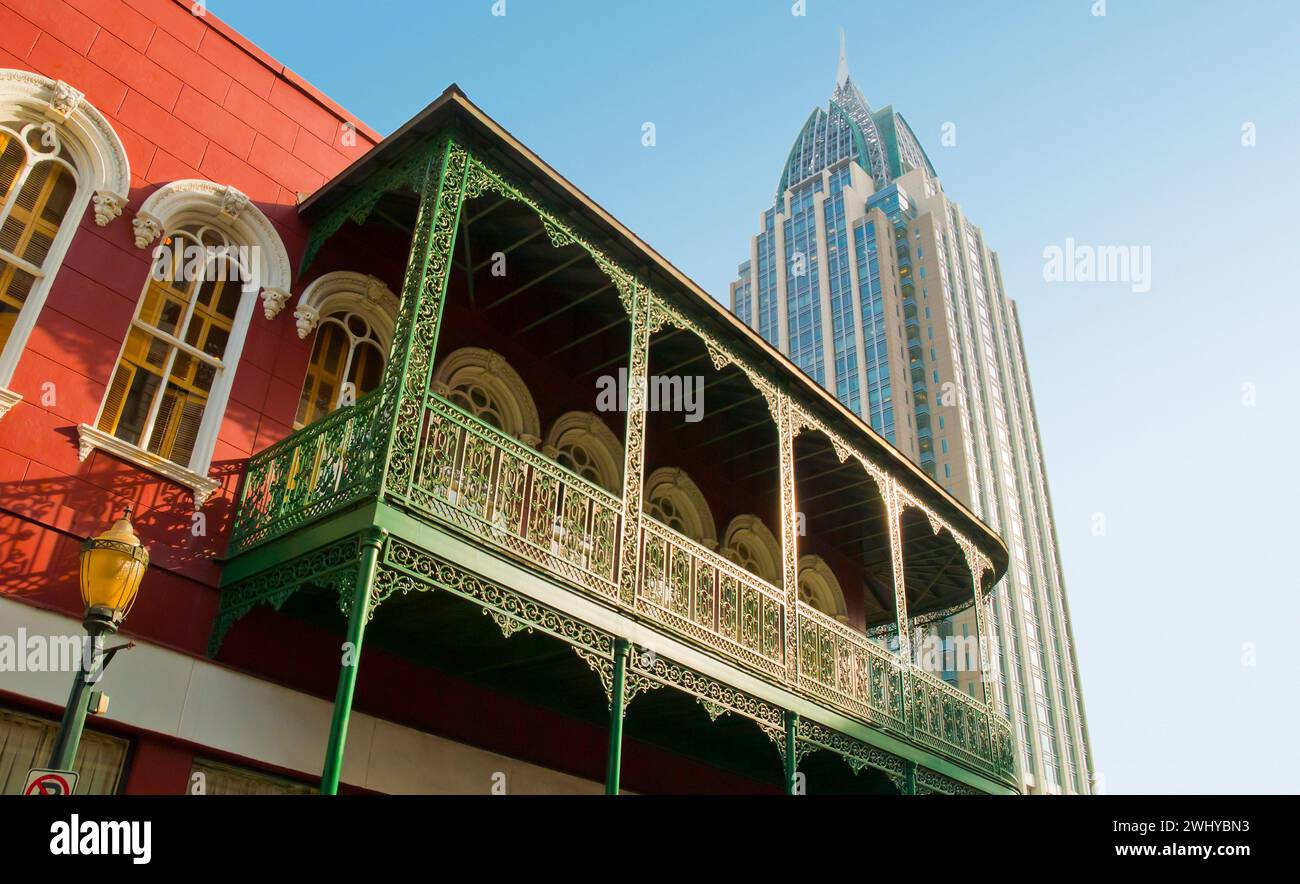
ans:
x=176 y=345
x=347 y=362
x=167 y=394
x=352 y=340
x=56 y=153
x=819 y=589
x=37 y=184
x=672 y=499
x=750 y=544
x=583 y=442
x=483 y=383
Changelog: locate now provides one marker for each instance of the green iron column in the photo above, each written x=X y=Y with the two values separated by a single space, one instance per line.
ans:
x=791 y=753
x=68 y=739
x=617 y=703
x=909 y=777
x=360 y=613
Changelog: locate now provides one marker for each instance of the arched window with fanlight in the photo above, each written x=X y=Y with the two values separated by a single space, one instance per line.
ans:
x=751 y=545
x=57 y=153
x=352 y=315
x=347 y=362
x=819 y=588
x=581 y=441
x=484 y=384
x=672 y=499
x=177 y=343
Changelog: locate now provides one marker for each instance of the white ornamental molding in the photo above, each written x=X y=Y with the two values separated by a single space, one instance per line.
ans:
x=306 y=318
x=195 y=200
x=92 y=144
x=147 y=228
x=232 y=203
x=346 y=290
x=107 y=207
x=64 y=101
x=273 y=301
x=8 y=399
x=92 y=438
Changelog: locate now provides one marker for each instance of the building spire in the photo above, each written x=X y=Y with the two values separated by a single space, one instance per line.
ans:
x=842 y=72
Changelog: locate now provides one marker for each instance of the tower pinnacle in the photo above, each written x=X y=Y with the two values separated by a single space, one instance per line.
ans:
x=842 y=72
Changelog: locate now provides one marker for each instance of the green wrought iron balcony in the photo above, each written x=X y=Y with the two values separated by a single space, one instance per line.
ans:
x=316 y=471
x=478 y=480
x=439 y=479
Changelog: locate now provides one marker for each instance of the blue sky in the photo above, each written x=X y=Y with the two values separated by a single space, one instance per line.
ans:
x=1124 y=129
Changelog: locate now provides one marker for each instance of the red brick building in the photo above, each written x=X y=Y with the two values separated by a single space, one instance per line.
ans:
x=165 y=96
x=131 y=129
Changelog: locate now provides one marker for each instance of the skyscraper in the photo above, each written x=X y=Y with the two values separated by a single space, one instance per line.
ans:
x=878 y=286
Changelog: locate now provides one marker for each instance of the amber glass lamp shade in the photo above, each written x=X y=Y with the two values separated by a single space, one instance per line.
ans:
x=112 y=566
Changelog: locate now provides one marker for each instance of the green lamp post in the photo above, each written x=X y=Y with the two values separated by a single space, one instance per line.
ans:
x=112 y=566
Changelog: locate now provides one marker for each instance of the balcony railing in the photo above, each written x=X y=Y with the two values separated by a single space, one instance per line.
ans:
x=476 y=477
x=321 y=468
x=697 y=592
x=948 y=719
x=845 y=668
x=1004 y=751
x=471 y=476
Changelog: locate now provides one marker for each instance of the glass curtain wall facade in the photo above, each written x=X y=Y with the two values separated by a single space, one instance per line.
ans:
x=889 y=297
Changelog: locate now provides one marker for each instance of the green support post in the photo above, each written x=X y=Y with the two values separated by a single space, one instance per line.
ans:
x=791 y=754
x=370 y=546
x=68 y=739
x=617 y=704
x=909 y=777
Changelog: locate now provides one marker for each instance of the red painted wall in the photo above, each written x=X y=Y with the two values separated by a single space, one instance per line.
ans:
x=158 y=767
x=189 y=98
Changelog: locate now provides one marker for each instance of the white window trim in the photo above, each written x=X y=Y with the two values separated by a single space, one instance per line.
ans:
x=103 y=177
x=198 y=200
x=490 y=370
x=815 y=567
x=694 y=509
x=587 y=429
x=170 y=207
x=91 y=438
x=346 y=290
x=750 y=528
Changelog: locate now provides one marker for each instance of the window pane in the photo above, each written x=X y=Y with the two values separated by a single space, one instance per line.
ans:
x=177 y=424
x=228 y=299
x=26 y=742
x=15 y=285
x=135 y=383
x=226 y=779
x=164 y=307
x=367 y=368
x=344 y=342
x=34 y=219
x=215 y=342
x=12 y=160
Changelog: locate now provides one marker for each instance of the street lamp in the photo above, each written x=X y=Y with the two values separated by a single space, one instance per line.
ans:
x=112 y=566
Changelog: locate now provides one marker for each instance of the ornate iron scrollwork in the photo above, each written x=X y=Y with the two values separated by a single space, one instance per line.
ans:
x=326 y=566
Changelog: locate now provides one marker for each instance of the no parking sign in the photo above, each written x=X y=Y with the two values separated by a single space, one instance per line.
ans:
x=50 y=782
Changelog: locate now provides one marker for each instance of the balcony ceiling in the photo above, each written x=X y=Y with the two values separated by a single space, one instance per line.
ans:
x=488 y=139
